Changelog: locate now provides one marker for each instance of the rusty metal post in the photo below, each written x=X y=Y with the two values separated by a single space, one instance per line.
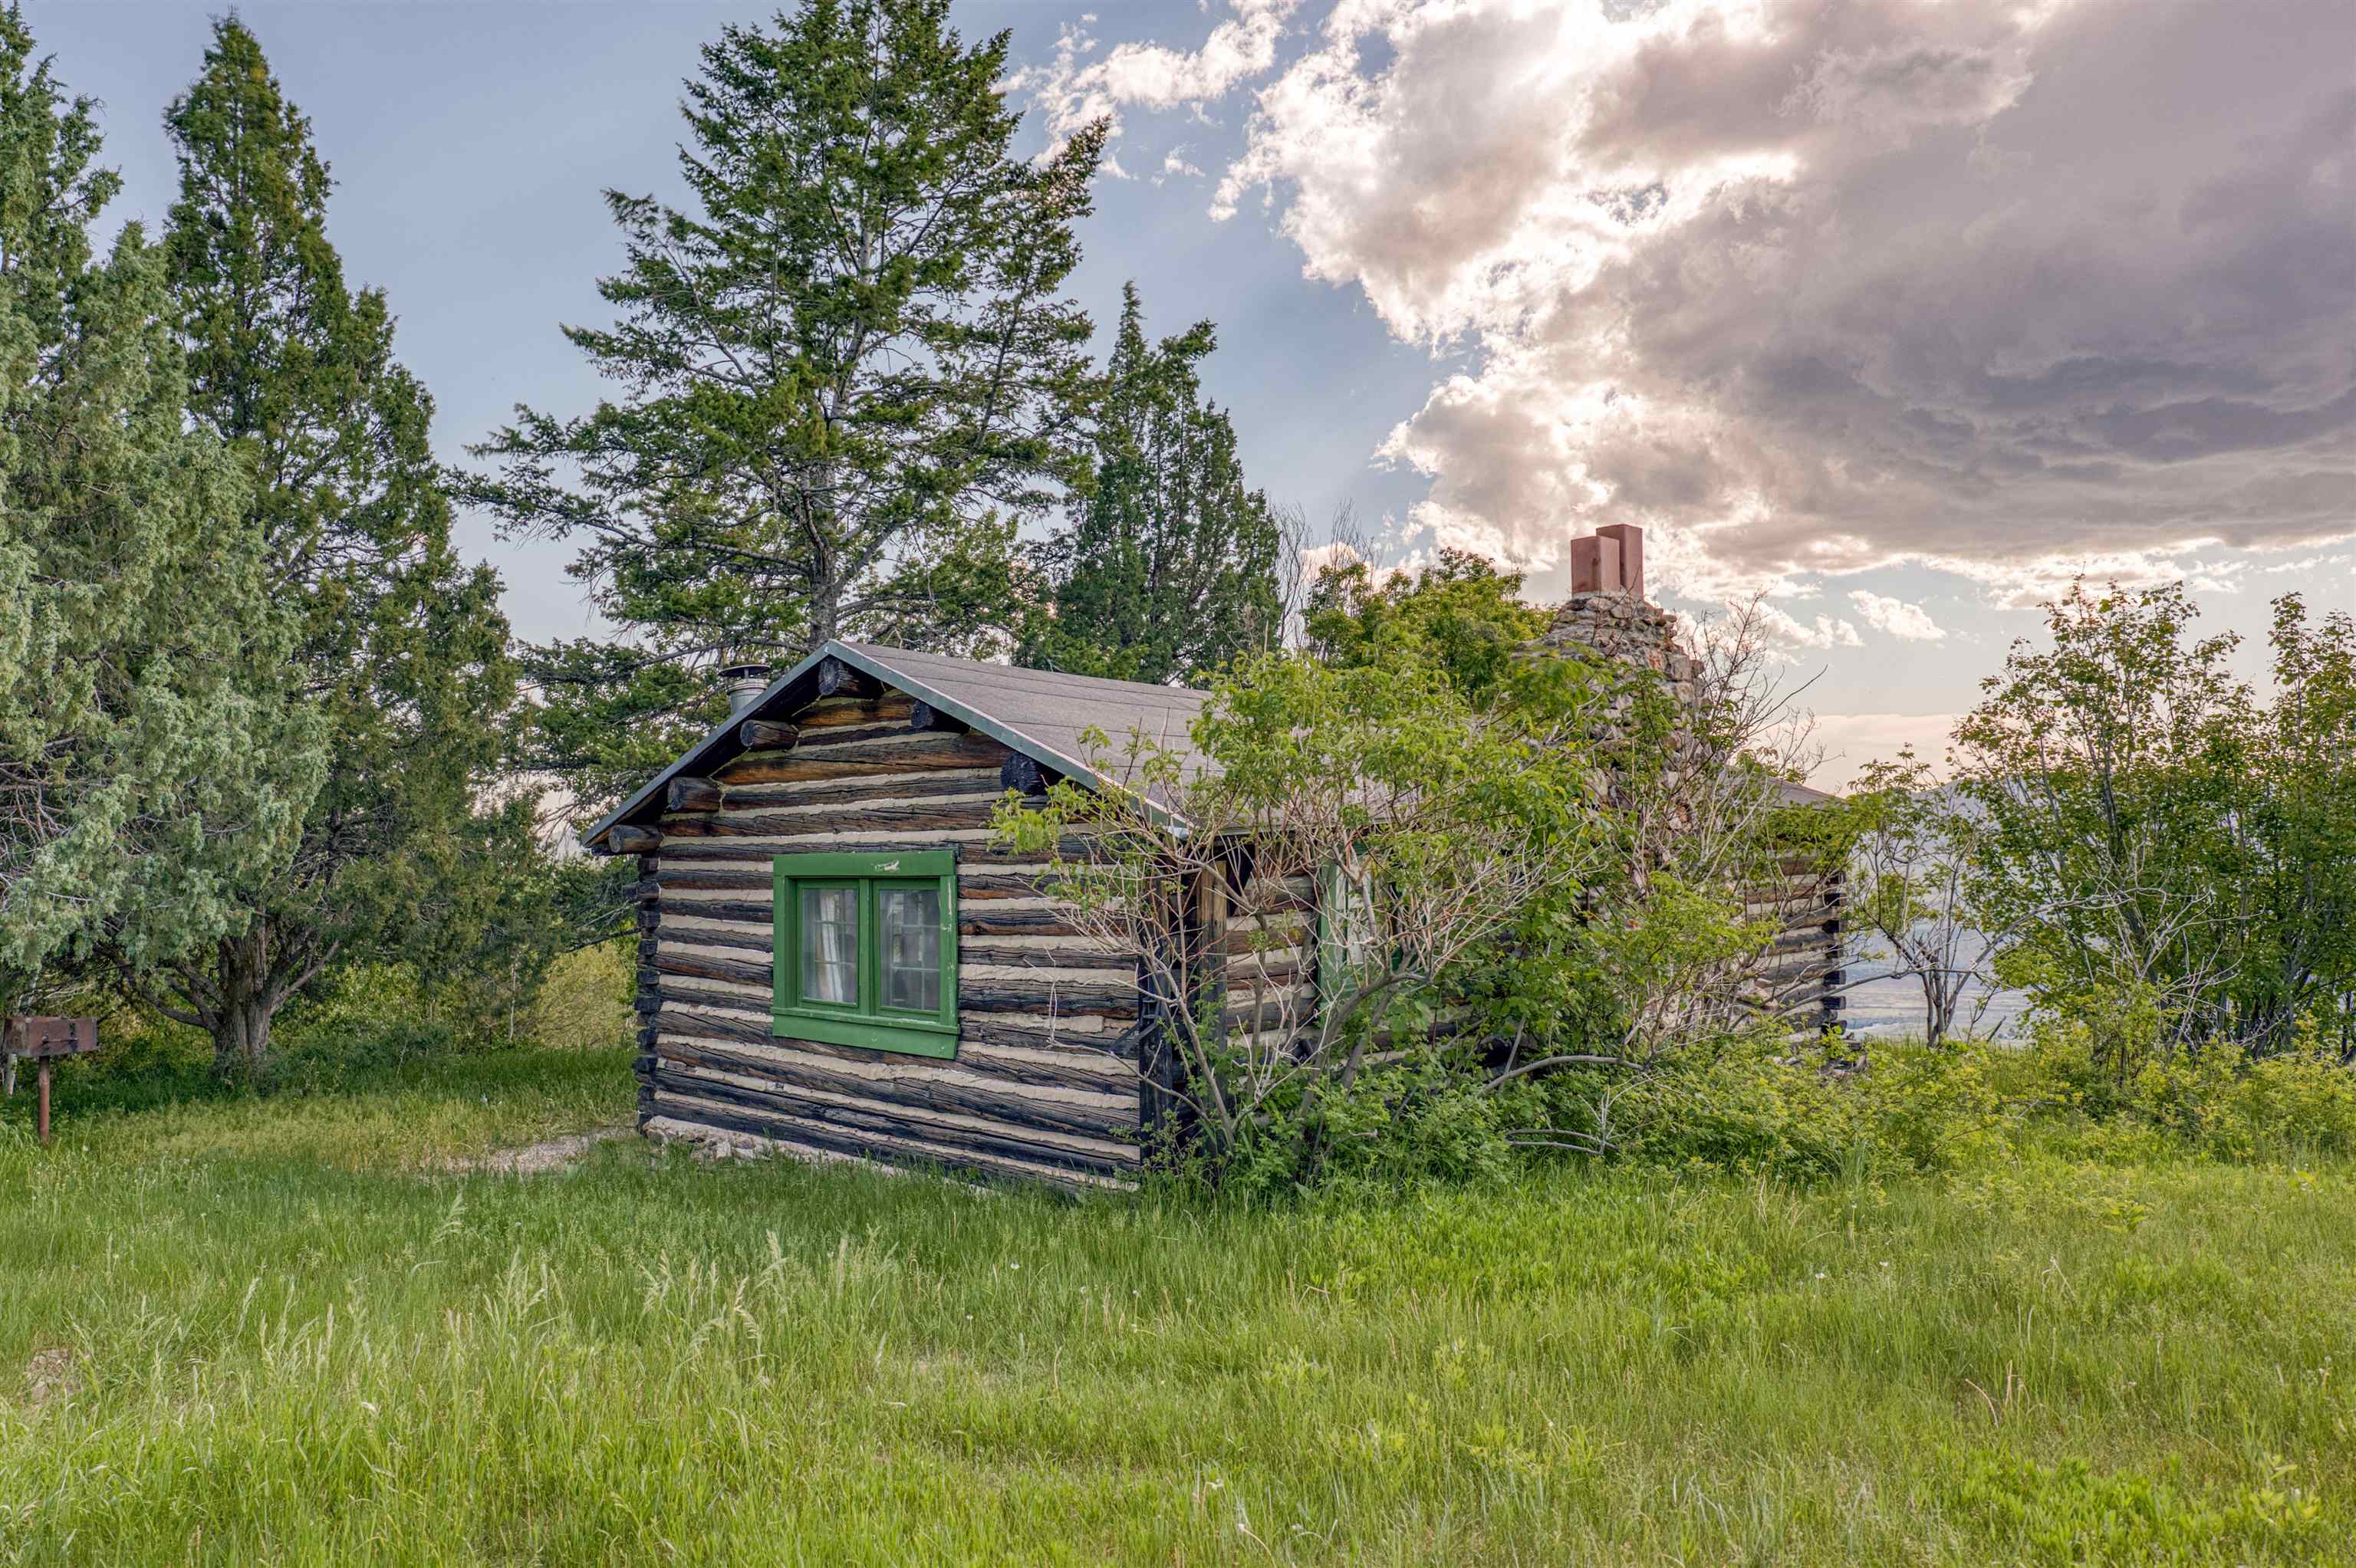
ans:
x=44 y=1116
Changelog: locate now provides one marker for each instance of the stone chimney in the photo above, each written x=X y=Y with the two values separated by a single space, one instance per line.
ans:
x=1607 y=614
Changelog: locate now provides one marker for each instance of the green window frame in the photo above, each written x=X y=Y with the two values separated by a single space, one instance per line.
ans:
x=1346 y=937
x=800 y=1006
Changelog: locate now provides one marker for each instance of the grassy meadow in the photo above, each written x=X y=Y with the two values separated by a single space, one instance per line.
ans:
x=304 y=1329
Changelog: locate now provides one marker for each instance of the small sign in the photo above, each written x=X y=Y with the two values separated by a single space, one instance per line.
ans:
x=41 y=1038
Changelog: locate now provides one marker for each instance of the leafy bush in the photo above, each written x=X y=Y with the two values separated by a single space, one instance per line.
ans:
x=2300 y=1104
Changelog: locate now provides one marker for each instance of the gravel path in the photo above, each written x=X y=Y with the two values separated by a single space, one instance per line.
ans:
x=530 y=1159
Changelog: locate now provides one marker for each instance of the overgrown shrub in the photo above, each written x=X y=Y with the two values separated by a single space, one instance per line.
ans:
x=2300 y=1104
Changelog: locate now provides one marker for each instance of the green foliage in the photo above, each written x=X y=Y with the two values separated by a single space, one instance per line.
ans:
x=1459 y=617
x=400 y=659
x=150 y=775
x=853 y=373
x=1168 y=570
x=1448 y=824
x=585 y=1002
x=2171 y=858
x=2297 y=1105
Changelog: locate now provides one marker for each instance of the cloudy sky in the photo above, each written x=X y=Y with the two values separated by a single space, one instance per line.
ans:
x=1901 y=313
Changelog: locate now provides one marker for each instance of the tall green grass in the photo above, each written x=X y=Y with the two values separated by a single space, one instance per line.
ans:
x=295 y=1337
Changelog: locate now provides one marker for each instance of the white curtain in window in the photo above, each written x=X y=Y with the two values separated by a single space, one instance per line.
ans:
x=908 y=925
x=831 y=944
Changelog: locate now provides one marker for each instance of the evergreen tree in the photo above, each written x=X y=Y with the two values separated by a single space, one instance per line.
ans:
x=1169 y=566
x=148 y=772
x=851 y=373
x=402 y=654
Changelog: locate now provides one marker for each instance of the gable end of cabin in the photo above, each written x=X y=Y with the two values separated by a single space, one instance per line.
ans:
x=835 y=961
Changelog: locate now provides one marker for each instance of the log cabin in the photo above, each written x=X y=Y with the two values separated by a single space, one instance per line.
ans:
x=835 y=961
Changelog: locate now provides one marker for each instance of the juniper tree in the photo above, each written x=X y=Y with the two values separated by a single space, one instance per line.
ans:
x=148 y=772
x=849 y=374
x=400 y=654
x=1169 y=566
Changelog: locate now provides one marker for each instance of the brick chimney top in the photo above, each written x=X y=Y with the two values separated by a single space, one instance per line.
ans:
x=1612 y=561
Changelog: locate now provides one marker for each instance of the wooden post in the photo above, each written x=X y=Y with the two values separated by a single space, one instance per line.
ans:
x=40 y=1039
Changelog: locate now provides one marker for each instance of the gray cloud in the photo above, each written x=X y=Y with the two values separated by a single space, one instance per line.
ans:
x=1820 y=286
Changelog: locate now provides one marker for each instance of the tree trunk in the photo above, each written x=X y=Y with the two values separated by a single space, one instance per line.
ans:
x=245 y=1004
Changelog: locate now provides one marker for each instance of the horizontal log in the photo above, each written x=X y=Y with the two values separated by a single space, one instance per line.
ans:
x=1024 y=775
x=985 y=919
x=832 y=712
x=1076 y=954
x=692 y=795
x=1034 y=1067
x=1812 y=967
x=1062 y=999
x=747 y=946
x=1034 y=1031
x=883 y=739
x=890 y=1126
x=668 y=961
x=836 y=679
x=921 y=753
x=1056 y=997
x=753 y=941
x=1012 y=1067
x=925 y=716
x=972 y=844
x=969 y=813
x=767 y=735
x=980 y=879
x=626 y=838
x=929 y=784
x=754 y=932
x=889 y=1084
x=825 y=1137
x=681 y=892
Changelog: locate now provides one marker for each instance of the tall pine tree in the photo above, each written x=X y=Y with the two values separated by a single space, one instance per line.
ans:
x=150 y=774
x=1169 y=566
x=851 y=373
x=402 y=655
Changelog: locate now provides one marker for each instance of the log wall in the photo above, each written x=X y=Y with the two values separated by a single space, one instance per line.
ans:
x=1044 y=1085
x=1801 y=977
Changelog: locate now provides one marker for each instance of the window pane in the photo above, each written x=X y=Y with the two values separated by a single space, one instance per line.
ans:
x=831 y=944
x=908 y=925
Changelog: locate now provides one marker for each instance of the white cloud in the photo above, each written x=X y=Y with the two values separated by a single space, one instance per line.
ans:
x=2011 y=291
x=1075 y=90
x=1791 y=635
x=1896 y=617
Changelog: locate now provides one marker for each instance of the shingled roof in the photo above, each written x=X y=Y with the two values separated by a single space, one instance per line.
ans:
x=1040 y=714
